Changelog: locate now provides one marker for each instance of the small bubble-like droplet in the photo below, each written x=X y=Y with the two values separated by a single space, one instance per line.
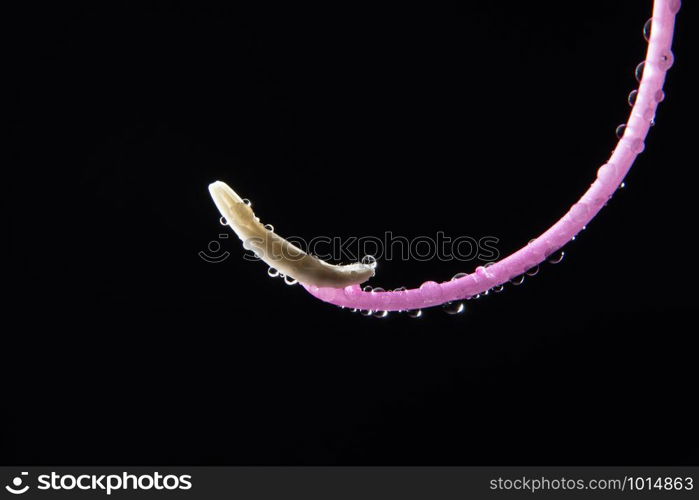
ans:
x=607 y=173
x=517 y=280
x=666 y=60
x=674 y=6
x=369 y=260
x=431 y=290
x=498 y=288
x=458 y=276
x=579 y=212
x=639 y=70
x=415 y=313
x=367 y=288
x=533 y=271
x=381 y=314
x=556 y=257
x=659 y=96
x=647 y=28
x=289 y=280
x=632 y=97
x=352 y=291
x=366 y=312
x=223 y=221
x=637 y=145
x=247 y=202
x=622 y=185
x=620 y=130
x=272 y=273
x=453 y=307
x=482 y=272
x=269 y=227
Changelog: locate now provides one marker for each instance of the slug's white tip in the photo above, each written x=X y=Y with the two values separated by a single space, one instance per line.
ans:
x=221 y=191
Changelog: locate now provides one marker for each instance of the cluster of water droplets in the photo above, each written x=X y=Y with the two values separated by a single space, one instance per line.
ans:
x=664 y=62
x=376 y=313
x=274 y=273
x=456 y=307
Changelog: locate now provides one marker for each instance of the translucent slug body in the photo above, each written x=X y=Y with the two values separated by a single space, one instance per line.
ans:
x=278 y=253
x=339 y=285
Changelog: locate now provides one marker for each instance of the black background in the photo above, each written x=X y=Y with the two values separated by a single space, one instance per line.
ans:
x=121 y=346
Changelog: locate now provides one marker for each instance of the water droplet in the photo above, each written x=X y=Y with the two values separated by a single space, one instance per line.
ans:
x=400 y=289
x=377 y=289
x=637 y=145
x=607 y=173
x=533 y=271
x=674 y=6
x=622 y=185
x=272 y=273
x=666 y=60
x=354 y=310
x=289 y=280
x=247 y=202
x=659 y=96
x=632 y=97
x=223 y=221
x=498 y=288
x=454 y=307
x=620 y=130
x=269 y=227
x=579 y=212
x=367 y=288
x=639 y=70
x=381 y=314
x=369 y=260
x=431 y=290
x=517 y=280
x=482 y=272
x=366 y=312
x=556 y=257
x=352 y=291
x=647 y=28
x=415 y=313
x=458 y=276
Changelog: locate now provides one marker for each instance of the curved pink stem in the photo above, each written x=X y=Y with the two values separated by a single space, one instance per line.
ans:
x=658 y=60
